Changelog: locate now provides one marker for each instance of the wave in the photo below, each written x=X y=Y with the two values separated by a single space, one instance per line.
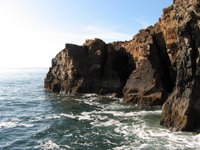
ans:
x=155 y=138
x=14 y=123
x=49 y=145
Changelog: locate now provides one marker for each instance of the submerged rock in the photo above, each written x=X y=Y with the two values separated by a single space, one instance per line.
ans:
x=160 y=65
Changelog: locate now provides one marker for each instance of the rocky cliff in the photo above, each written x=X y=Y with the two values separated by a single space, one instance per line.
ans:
x=159 y=66
x=182 y=109
x=95 y=67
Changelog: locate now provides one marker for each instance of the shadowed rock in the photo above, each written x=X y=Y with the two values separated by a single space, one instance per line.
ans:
x=90 y=68
x=182 y=109
x=151 y=82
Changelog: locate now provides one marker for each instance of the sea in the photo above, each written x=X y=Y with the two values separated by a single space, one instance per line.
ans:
x=34 y=119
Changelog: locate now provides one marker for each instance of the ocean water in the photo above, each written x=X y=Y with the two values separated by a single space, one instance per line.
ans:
x=31 y=118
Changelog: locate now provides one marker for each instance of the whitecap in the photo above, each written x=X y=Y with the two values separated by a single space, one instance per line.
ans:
x=146 y=147
x=82 y=116
x=45 y=117
x=91 y=102
x=68 y=115
x=66 y=146
x=156 y=136
x=122 y=148
x=110 y=122
x=49 y=145
x=14 y=123
x=52 y=116
x=89 y=95
x=8 y=124
x=117 y=113
x=26 y=125
x=155 y=112
x=68 y=135
x=34 y=119
x=86 y=116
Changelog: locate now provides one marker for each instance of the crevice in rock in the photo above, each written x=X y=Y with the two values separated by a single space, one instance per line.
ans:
x=194 y=32
x=124 y=65
x=103 y=61
x=192 y=35
x=168 y=76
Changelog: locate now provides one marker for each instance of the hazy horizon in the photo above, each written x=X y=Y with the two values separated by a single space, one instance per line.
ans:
x=33 y=32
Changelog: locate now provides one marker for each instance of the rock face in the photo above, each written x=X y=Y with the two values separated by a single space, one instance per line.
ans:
x=159 y=66
x=182 y=109
x=151 y=81
x=95 y=67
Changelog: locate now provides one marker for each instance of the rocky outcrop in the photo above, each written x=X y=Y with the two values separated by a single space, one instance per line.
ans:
x=151 y=82
x=182 y=109
x=95 y=67
x=159 y=66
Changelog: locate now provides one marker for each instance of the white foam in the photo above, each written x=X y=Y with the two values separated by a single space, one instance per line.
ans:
x=49 y=145
x=128 y=114
x=85 y=116
x=52 y=116
x=122 y=148
x=66 y=146
x=91 y=102
x=155 y=112
x=155 y=136
x=14 y=123
x=34 y=119
x=68 y=135
x=82 y=116
x=146 y=147
x=110 y=122
x=48 y=117
x=26 y=125
x=89 y=95
x=8 y=124
x=128 y=125
x=68 y=115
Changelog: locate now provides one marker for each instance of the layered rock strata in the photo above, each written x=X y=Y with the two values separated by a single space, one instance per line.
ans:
x=160 y=65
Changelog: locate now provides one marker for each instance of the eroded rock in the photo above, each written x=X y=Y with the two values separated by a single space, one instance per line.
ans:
x=90 y=68
x=148 y=84
x=181 y=111
x=161 y=64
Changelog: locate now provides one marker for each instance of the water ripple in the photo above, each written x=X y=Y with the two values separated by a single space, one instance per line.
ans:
x=31 y=118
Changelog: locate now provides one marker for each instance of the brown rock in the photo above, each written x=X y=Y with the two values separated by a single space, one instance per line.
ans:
x=151 y=82
x=90 y=68
x=161 y=64
x=181 y=111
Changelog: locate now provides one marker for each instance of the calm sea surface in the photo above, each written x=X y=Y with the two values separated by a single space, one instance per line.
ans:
x=31 y=118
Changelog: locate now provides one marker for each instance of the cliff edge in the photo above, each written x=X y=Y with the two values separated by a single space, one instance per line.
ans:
x=159 y=66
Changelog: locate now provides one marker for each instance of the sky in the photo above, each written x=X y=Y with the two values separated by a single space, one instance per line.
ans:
x=32 y=32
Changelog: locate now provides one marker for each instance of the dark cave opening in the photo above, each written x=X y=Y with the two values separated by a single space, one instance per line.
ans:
x=124 y=66
x=56 y=88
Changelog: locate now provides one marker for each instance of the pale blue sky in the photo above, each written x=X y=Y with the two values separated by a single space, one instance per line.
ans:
x=33 y=31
